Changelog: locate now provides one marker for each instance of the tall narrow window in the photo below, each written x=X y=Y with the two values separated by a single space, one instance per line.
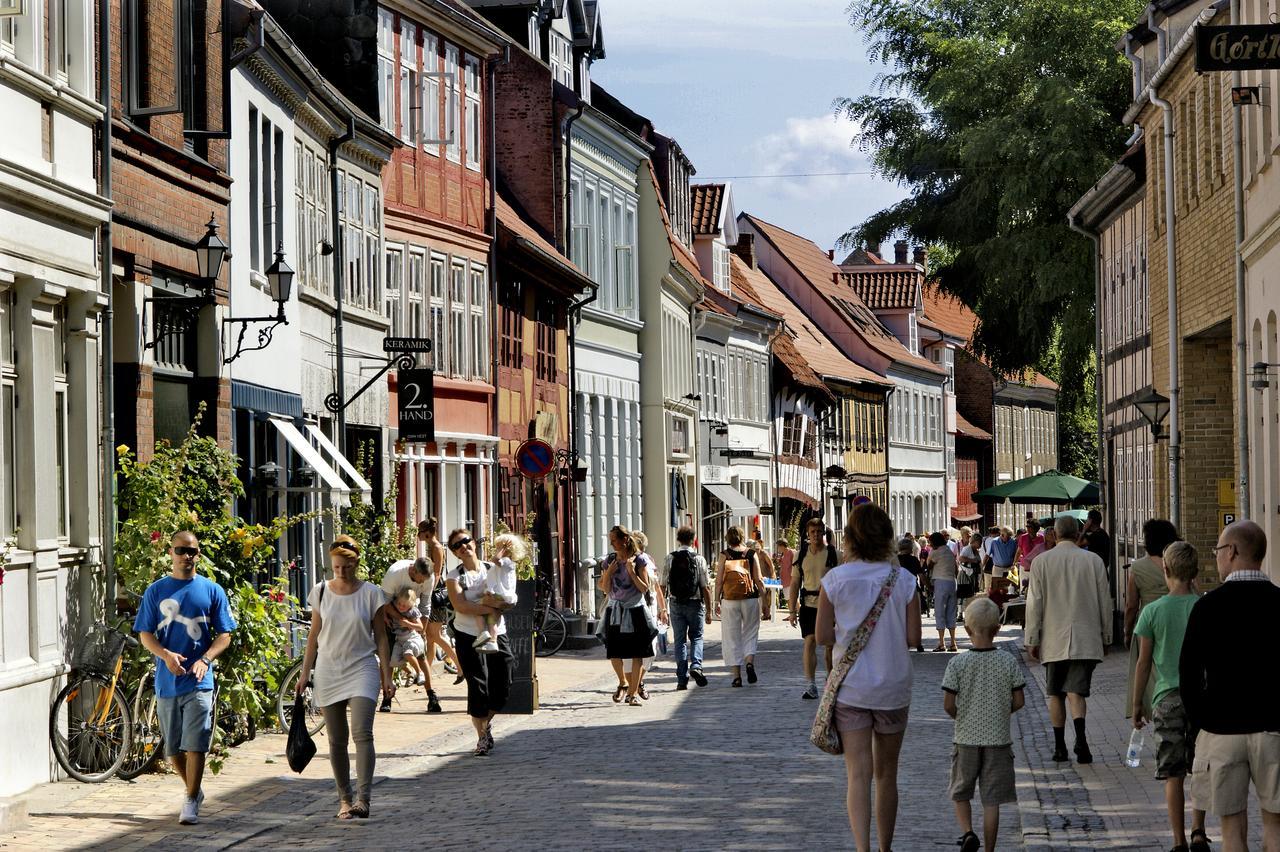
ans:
x=391 y=294
x=479 y=323
x=461 y=365
x=255 y=190
x=408 y=99
x=12 y=22
x=453 y=102
x=415 y=306
x=431 y=131
x=439 y=315
x=8 y=377
x=62 y=474
x=474 y=143
x=386 y=70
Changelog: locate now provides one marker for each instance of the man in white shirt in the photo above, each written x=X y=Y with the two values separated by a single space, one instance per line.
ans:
x=416 y=574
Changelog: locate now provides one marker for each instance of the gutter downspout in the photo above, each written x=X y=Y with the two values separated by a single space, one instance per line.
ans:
x=1171 y=245
x=107 y=486
x=1099 y=384
x=339 y=260
x=1242 y=351
x=491 y=72
x=1139 y=67
x=571 y=323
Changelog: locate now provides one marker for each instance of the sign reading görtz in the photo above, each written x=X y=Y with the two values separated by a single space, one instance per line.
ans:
x=416 y=401
x=1250 y=47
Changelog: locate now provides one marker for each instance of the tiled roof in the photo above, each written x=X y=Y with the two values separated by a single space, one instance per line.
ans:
x=513 y=222
x=948 y=314
x=679 y=252
x=818 y=269
x=968 y=430
x=817 y=351
x=884 y=286
x=708 y=198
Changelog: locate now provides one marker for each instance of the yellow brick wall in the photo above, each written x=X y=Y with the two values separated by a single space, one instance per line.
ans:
x=1204 y=230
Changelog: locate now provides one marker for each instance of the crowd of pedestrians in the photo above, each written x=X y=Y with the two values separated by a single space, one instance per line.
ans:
x=1214 y=711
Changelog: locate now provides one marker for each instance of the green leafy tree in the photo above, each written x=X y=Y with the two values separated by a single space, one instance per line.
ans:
x=382 y=542
x=192 y=486
x=997 y=117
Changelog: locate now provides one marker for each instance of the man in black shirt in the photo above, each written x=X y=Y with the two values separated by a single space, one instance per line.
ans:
x=1095 y=539
x=1231 y=694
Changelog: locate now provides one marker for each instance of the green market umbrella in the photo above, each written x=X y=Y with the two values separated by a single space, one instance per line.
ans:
x=1049 y=487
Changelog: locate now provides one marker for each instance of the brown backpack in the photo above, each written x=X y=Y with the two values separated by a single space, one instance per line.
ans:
x=738 y=584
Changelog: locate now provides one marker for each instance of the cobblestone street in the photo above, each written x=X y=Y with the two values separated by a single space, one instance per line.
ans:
x=713 y=768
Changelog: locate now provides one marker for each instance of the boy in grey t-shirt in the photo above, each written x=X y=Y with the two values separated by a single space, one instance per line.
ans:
x=982 y=688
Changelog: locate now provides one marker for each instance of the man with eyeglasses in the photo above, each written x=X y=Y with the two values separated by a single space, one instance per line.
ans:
x=1230 y=692
x=185 y=621
x=419 y=575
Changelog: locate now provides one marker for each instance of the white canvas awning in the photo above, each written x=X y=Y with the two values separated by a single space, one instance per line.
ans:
x=312 y=457
x=358 y=482
x=734 y=500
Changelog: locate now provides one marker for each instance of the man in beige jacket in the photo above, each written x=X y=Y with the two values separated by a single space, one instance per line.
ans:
x=1068 y=629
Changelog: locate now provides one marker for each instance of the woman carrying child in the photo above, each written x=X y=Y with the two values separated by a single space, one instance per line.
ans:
x=488 y=675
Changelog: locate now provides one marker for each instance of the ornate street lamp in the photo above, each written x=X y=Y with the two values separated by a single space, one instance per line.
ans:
x=280 y=285
x=210 y=252
x=1261 y=381
x=1154 y=408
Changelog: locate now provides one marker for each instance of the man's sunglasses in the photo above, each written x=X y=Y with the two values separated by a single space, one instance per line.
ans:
x=182 y=550
x=459 y=544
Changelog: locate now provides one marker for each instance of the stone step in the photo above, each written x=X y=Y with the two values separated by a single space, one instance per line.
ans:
x=13 y=815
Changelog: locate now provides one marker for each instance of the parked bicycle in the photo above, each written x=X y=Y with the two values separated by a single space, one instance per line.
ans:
x=91 y=723
x=300 y=627
x=550 y=628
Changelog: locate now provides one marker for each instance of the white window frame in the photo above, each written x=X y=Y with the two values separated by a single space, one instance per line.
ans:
x=438 y=311
x=460 y=354
x=408 y=99
x=453 y=103
x=473 y=112
x=386 y=70
x=720 y=266
x=478 y=287
x=393 y=295
x=431 y=74
x=415 y=292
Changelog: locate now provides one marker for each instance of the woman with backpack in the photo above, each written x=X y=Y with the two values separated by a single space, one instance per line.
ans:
x=628 y=625
x=738 y=585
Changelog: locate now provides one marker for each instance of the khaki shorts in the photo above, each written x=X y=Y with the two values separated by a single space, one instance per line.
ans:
x=849 y=718
x=1224 y=766
x=989 y=768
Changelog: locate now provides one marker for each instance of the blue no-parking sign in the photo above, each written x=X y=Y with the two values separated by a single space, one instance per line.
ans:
x=535 y=458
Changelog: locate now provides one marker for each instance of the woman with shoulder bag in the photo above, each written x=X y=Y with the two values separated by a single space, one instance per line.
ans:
x=488 y=676
x=628 y=625
x=428 y=534
x=737 y=596
x=870 y=611
x=348 y=652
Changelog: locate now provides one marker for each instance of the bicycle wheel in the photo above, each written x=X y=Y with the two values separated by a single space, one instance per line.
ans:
x=148 y=739
x=91 y=728
x=552 y=634
x=284 y=702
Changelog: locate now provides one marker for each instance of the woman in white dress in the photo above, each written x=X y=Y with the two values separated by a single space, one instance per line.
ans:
x=348 y=654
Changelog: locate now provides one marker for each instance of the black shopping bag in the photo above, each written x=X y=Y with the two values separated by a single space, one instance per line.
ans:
x=300 y=748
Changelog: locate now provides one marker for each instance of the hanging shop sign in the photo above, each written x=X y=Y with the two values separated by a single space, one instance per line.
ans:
x=416 y=396
x=406 y=344
x=1247 y=47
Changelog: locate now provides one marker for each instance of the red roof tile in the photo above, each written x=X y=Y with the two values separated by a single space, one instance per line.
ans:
x=817 y=350
x=884 y=286
x=512 y=221
x=708 y=199
x=952 y=317
x=968 y=430
x=818 y=269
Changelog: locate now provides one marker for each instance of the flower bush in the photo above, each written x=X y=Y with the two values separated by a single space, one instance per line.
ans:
x=192 y=486
x=374 y=528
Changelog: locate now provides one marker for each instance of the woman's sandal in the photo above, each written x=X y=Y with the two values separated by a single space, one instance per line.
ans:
x=642 y=692
x=344 y=811
x=737 y=681
x=751 y=673
x=634 y=700
x=619 y=692
x=360 y=810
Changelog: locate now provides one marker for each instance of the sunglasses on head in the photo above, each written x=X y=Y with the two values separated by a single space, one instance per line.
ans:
x=459 y=544
x=183 y=550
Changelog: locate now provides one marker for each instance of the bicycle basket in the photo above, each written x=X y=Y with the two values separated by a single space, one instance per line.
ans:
x=98 y=651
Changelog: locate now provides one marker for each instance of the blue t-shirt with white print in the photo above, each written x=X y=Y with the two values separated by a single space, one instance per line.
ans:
x=184 y=615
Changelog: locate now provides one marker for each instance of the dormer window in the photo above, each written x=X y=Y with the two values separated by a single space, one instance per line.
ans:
x=913 y=342
x=720 y=266
x=560 y=58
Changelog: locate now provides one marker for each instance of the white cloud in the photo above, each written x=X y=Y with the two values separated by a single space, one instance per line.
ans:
x=819 y=145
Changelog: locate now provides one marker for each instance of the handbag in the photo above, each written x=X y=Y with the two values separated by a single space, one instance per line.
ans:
x=300 y=748
x=440 y=597
x=823 y=733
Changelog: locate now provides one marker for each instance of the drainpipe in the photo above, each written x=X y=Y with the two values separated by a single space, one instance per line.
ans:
x=339 y=260
x=1162 y=37
x=1242 y=353
x=1171 y=245
x=1139 y=67
x=571 y=316
x=492 y=156
x=107 y=485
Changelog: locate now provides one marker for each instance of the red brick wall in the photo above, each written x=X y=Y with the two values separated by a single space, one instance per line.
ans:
x=974 y=391
x=526 y=140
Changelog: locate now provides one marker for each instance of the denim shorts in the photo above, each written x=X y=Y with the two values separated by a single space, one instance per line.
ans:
x=186 y=722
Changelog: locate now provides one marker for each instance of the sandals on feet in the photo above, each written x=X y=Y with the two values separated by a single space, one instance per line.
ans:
x=633 y=701
x=360 y=810
x=1199 y=841
x=344 y=811
x=619 y=692
x=642 y=692
x=751 y=673
x=737 y=681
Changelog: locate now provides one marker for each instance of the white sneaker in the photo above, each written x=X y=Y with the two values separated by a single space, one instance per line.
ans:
x=489 y=647
x=482 y=640
x=419 y=680
x=191 y=810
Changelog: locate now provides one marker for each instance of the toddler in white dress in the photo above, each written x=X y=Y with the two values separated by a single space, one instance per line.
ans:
x=500 y=582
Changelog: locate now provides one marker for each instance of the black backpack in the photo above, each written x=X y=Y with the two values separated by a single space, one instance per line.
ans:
x=682 y=580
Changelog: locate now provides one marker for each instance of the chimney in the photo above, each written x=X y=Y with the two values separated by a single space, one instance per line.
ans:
x=873 y=247
x=900 y=252
x=831 y=254
x=921 y=256
x=745 y=249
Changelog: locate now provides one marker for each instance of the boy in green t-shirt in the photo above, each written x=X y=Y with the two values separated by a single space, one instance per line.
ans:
x=1159 y=631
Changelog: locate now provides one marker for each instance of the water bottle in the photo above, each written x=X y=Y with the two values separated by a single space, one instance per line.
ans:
x=1133 y=757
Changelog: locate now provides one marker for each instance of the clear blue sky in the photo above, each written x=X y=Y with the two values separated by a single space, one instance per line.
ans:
x=746 y=87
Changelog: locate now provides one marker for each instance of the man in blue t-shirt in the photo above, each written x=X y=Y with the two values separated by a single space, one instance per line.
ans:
x=185 y=621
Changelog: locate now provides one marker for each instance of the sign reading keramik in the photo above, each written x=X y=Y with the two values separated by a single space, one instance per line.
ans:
x=1252 y=47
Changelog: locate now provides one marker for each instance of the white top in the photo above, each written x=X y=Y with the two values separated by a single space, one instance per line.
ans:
x=396 y=580
x=472 y=585
x=502 y=580
x=347 y=654
x=881 y=677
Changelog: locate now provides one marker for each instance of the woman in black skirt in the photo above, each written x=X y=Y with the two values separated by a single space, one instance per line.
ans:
x=627 y=626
